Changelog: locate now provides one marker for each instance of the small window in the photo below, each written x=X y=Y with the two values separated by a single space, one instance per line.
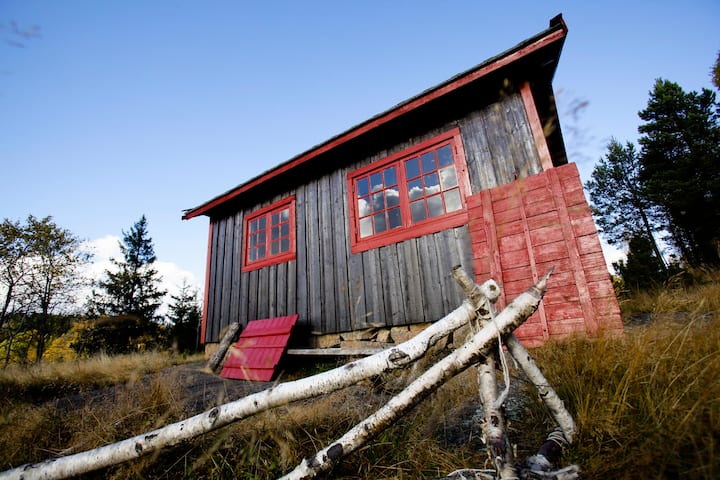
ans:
x=418 y=191
x=269 y=235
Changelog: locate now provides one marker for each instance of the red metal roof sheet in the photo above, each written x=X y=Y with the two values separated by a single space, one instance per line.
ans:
x=259 y=348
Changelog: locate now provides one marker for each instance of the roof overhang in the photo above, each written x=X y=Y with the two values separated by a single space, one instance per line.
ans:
x=549 y=42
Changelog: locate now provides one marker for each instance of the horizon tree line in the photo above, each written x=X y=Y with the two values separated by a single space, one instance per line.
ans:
x=41 y=278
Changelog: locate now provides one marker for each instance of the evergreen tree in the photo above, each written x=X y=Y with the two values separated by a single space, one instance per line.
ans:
x=133 y=287
x=619 y=201
x=185 y=314
x=642 y=269
x=681 y=167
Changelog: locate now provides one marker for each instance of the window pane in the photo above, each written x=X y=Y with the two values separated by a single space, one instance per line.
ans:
x=261 y=223
x=418 y=211
x=390 y=176
x=435 y=206
x=452 y=200
x=285 y=230
x=376 y=182
x=432 y=184
x=285 y=245
x=253 y=226
x=275 y=219
x=285 y=215
x=428 y=162
x=260 y=252
x=380 y=224
x=274 y=248
x=378 y=201
x=444 y=154
x=275 y=233
x=448 y=178
x=252 y=255
x=363 y=207
x=366 y=227
x=392 y=197
x=394 y=218
x=253 y=240
x=412 y=168
x=362 y=187
x=261 y=238
x=415 y=189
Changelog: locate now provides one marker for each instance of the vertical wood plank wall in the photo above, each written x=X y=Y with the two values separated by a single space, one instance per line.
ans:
x=334 y=290
x=521 y=230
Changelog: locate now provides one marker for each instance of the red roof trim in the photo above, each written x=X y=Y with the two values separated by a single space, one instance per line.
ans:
x=557 y=31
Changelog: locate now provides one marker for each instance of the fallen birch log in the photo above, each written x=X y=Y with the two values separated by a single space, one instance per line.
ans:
x=479 y=345
x=215 y=418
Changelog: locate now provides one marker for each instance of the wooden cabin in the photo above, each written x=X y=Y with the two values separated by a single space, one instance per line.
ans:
x=361 y=232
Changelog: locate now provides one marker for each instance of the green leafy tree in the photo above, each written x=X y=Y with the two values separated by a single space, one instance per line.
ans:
x=184 y=313
x=55 y=277
x=41 y=274
x=619 y=200
x=680 y=167
x=14 y=269
x=132 y=288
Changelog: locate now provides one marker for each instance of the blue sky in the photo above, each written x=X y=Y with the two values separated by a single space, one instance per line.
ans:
x=114 y=109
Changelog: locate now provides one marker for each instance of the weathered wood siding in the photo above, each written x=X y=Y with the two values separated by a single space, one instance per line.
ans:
x=334 y=290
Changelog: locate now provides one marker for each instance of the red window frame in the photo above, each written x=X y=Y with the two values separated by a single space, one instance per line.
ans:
x=390 y=177
x=258 y=235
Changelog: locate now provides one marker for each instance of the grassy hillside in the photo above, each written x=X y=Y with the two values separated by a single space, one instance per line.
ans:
x=646 y=404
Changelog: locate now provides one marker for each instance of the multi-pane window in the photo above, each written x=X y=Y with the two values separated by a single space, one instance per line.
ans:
x=270 y=235
x=407 y=194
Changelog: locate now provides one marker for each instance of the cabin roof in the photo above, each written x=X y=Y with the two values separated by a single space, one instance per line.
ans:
x=544 y=48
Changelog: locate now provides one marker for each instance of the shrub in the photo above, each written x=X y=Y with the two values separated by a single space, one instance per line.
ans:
x=120 y=334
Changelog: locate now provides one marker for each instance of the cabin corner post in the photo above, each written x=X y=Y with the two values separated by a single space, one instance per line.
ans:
x=206 y=293
x=536 y=126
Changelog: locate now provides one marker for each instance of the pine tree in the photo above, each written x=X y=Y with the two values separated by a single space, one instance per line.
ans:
x=133 y=287
x=619 y=199
x=642 y=269
x=184 y=313
x=681 y=167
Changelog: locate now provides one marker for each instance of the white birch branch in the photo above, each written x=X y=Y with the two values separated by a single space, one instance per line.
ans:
x=488 y=292
x=475 y=348
x=556 y=406
x=494 y=430
x=223 y=415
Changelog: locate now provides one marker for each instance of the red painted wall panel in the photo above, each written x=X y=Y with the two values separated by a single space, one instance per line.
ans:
x=522 y=229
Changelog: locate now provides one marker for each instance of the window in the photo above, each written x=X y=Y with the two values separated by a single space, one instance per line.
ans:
x=269 y=235
x=416 y=192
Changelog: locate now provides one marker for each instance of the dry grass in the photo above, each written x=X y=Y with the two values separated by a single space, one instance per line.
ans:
x=646 y=402
x=47 y=380
x=693 y=291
